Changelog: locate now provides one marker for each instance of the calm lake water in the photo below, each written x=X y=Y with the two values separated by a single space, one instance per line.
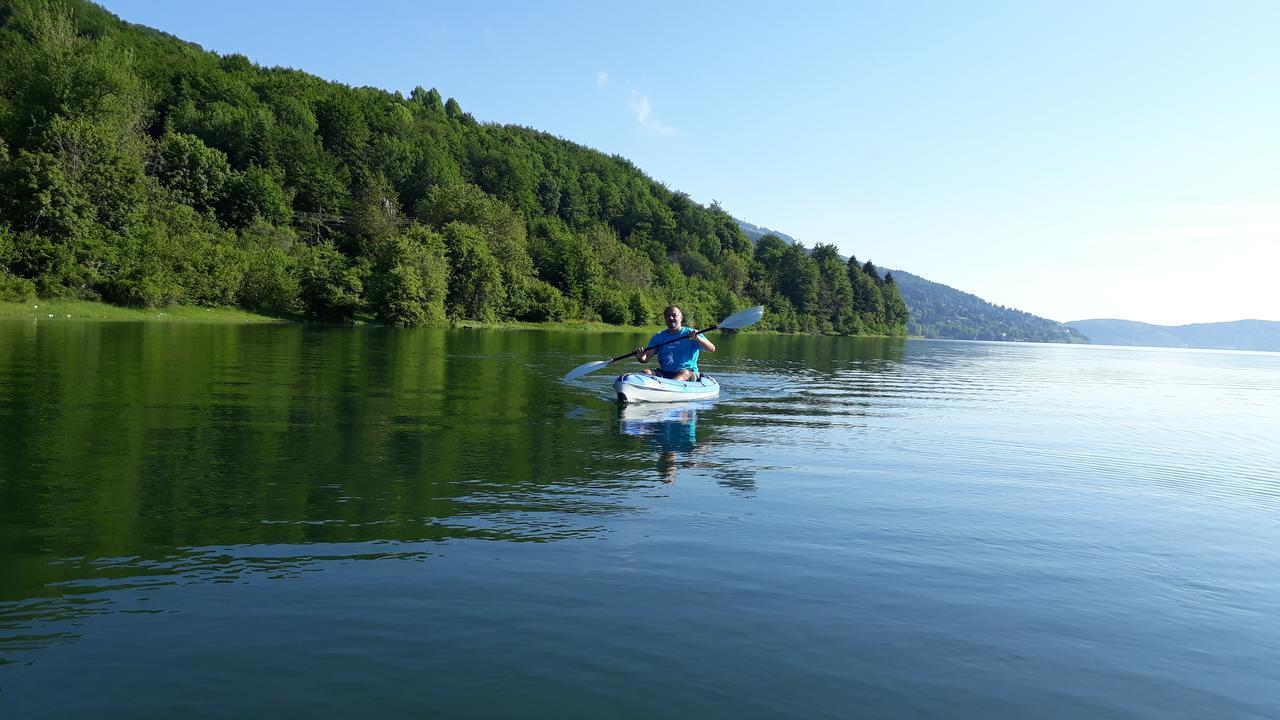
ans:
x=265 y=521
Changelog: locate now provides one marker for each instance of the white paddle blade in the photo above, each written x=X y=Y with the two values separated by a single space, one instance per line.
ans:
x=743 y=318
x=584 y=369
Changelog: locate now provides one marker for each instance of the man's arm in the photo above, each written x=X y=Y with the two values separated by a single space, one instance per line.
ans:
x=705 y=343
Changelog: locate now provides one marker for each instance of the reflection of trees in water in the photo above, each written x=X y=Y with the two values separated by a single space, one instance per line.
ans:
x=814 y=381
x=127 y=585
x=127 y=445
x=815 y=353
x=735 y=477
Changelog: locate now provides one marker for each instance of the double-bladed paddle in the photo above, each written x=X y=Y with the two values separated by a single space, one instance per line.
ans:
x=736 y=321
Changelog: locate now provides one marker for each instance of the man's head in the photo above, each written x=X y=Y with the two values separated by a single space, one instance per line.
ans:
x=673 y=317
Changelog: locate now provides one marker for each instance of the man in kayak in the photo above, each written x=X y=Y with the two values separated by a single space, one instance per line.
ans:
x=676 y=360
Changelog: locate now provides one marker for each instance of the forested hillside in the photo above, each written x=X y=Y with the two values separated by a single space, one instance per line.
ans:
x=142 y=170
x=939 y=311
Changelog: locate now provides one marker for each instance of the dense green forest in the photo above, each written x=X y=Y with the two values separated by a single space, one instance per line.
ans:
x=141 y=170
x=940 y=311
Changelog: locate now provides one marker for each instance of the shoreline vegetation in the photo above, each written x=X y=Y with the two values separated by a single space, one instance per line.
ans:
x=142 y=171
x=72 y=309
x=62 y=309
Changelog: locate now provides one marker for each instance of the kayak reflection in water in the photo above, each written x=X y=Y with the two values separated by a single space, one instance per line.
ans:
x=676 y=360
x=672 y=430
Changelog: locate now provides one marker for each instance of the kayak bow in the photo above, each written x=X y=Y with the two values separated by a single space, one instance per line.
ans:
x=639 y=387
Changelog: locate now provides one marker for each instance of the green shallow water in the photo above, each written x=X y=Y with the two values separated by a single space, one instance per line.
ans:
x=250 y=521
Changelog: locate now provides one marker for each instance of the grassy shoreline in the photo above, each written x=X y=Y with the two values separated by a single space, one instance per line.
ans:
x=578 y=325
x=69 y=309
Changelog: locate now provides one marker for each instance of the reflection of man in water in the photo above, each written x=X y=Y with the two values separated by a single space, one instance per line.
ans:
x=667 y=466
x=672 y=430
x=679 y=434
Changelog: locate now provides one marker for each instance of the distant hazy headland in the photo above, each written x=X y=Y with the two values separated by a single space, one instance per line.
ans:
x=1238 y=335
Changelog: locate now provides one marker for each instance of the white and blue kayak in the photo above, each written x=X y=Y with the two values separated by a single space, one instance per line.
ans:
x=639 y=387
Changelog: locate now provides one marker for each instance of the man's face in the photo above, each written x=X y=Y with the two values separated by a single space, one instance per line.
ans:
x=674 y=318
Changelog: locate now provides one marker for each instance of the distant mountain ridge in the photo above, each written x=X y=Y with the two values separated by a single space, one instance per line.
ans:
x=1237 y=335
x=941 y=311
x=755 y=232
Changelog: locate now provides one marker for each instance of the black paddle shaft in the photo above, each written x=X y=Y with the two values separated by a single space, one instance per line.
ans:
x=693 y=334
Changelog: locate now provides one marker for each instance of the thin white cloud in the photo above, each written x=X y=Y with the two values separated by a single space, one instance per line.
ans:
x=602 y=78
x=642 y=110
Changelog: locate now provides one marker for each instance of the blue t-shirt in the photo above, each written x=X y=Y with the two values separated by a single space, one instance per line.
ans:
x=678 y=355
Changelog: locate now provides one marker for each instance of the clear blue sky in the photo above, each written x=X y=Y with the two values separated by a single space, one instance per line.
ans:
x=1071 y=159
